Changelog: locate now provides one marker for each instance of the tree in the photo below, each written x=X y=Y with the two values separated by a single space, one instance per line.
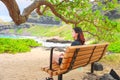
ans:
x=77 y=12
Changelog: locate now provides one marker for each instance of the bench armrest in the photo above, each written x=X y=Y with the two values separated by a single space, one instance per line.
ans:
x=51 y=54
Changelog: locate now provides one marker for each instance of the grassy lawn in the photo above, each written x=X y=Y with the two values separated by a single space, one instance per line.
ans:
x=112 y=59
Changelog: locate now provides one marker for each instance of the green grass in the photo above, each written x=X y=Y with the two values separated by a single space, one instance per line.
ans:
x=64 y=31
x=111 y=59
x=38 y=30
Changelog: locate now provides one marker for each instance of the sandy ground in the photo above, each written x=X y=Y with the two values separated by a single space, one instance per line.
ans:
x=27 y=66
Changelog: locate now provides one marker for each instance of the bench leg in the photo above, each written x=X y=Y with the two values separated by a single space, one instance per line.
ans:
x=92 y=68
x=60 y=77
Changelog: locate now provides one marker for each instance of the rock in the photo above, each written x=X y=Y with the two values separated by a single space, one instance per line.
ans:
x=54 y=40
x=106 y=77
x=90 y=76
x=49 y=20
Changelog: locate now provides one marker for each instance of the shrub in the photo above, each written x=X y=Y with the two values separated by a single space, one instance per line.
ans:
x=16 y=45
x=114 y=47
x=29 y=42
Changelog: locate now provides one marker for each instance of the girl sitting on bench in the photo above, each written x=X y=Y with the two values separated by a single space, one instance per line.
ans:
x=79 y=39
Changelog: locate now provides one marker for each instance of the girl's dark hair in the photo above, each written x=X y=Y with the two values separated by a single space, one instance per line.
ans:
x=80 y=34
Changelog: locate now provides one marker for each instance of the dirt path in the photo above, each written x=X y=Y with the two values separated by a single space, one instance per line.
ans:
x=26 y=66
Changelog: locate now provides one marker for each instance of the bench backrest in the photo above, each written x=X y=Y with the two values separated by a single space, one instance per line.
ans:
x=78 y=56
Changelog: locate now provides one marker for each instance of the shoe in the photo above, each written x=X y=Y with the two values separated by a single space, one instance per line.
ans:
x=114 y=74
x=49 y=78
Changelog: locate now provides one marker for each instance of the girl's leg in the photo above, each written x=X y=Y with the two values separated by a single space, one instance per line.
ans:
x=55 y=60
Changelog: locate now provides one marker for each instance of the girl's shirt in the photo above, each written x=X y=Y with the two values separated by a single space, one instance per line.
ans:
x=76 y=42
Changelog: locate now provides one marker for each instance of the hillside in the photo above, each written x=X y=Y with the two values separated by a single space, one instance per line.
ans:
x=63 y=31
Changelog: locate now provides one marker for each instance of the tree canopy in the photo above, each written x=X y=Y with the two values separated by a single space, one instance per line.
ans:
x=88 y=15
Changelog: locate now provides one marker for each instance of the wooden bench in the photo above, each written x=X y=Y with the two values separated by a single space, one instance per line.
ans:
x=75 y=57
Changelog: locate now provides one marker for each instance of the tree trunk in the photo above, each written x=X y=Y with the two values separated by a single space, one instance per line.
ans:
x=14 y=10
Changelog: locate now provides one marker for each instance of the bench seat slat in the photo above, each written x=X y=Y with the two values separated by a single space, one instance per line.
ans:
x=87 y=61
x=98 y=50
x=55 y=71
x=66 y=65
x=67 y=55
x=97 y=54
x=82 y=61
x=77 y=66
x=96 y=57
x=68 y=60
x=84 y=47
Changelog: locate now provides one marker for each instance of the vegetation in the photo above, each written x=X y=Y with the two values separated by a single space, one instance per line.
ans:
x=111 y=59
x=114 y=47
x=64 y=31
x=92 y=20
x=8 y=45
x=76 y=12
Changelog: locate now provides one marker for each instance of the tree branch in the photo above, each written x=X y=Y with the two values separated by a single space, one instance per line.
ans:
x=52 y=8
x=95 y=35
x=39 y=12
x=21 y=18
